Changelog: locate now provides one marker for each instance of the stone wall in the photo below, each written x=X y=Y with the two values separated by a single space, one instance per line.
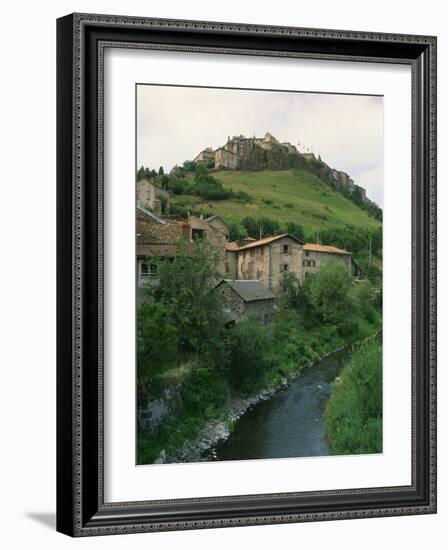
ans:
x=313 y=261
x=293 y=259
x=233 y=303
x=239 y=309
x=267 y=262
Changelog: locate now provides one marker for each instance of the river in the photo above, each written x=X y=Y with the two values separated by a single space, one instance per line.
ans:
x=289 y=424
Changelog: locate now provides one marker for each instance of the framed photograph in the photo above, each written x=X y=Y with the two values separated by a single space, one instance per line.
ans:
x=246 y=274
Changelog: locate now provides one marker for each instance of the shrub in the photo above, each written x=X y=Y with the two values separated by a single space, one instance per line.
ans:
x=248 y=345
x=328 y=292
x=353 y=416
x=348 y=329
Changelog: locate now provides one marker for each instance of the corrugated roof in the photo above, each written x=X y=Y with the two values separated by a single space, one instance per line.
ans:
x=249 y=290
x=314 y=247
x=150 y=232
x=142 y=213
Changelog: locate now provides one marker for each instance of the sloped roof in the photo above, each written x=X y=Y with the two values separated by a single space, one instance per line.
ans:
x=150 y=232
x=249 y=291
x=142 y=213
x=268 y=240
x=314 y=247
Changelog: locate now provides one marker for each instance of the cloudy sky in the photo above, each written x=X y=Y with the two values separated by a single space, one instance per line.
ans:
x=176 y=123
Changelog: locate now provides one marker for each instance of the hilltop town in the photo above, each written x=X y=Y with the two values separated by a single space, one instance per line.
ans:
x=268 y=153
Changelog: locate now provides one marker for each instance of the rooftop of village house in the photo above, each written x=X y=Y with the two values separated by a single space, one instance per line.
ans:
x=248 y=290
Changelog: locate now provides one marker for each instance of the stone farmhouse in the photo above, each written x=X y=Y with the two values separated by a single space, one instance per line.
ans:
x=268 y=259
x=157 y=238
x=268 y=153
x=317 y=255
x=246 y=298
x=152 y=197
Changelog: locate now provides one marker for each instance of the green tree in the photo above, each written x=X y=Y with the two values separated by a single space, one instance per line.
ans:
x=296 y=230
x=161 y=171
x=156 y=345
x=249 y=344
x=234 y=232
x=251 y=226
x=164 y=182
x=263 y=226
x=185 y=290
x=328 y=292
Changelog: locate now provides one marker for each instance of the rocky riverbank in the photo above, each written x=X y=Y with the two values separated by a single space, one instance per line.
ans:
x=218 y=430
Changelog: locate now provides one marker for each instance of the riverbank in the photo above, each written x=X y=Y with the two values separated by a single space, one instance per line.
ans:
x=234 y=368
x=218 y=430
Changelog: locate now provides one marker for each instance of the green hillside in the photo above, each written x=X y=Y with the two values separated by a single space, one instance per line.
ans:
x=285 y=196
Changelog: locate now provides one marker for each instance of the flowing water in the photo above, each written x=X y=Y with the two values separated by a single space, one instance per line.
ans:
x=289 y=424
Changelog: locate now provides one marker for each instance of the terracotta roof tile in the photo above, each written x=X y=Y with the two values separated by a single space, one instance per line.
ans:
x=268 y=240
x=314 y=247
x=149 y=232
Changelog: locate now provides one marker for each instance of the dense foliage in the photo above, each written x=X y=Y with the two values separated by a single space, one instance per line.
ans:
x=353 y=415
x=183 y=338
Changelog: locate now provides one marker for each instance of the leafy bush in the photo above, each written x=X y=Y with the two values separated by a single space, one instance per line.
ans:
x=348 y=329
x=296 y=230
x=156 y=339
x=328 y=292
x=264 y=226
x=185 y=283
x=248 y=345
x=353 y=415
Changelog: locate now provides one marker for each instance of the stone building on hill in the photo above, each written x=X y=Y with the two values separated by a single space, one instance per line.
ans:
x=246 y=298
x=158 y=238
x=317 y=255
x=152 y=197
x=268 y=153
x=268 y=259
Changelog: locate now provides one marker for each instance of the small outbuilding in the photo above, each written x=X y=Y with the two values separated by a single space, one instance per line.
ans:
x=243 y=298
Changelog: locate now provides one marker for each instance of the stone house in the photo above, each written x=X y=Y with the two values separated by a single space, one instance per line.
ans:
x=155 y=239
x=215 y=232
x=225 y=158
x=317 y=255
x=246 y=298
x=266 y=260
x=151 y=196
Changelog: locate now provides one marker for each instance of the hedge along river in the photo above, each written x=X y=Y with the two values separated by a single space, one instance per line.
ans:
x=290 y=423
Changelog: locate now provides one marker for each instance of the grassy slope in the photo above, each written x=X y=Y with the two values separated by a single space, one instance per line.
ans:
x=314 y=204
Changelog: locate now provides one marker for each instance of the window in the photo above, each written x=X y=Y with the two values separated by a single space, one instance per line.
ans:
x=197 y=234
x=285 y=267
x=153 y=270
x=144 y=269
x=307 y=252
x=312 y=263
x=285 y=249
